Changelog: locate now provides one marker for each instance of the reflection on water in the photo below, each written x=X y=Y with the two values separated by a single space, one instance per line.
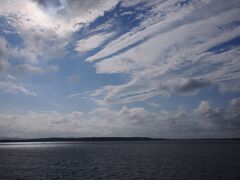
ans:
x=121 y=160
x=35 y=144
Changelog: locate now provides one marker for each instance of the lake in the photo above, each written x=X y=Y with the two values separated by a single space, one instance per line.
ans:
x=165 y=160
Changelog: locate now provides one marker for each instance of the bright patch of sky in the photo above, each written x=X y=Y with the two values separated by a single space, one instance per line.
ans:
x=120 y=68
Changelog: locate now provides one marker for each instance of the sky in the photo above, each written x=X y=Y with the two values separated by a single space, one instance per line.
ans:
x=149 y=68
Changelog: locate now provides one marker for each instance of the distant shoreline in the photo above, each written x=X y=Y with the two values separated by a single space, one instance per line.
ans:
x=56 y=139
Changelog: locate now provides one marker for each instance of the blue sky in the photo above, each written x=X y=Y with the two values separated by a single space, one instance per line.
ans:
x=151 y=68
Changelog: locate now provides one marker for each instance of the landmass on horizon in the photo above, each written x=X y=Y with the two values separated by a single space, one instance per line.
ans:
x=59 y=139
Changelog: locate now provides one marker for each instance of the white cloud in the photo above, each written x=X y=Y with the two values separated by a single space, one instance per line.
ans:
x=92 y=42
x=44 y=24
x=40 y=25
x=171 y=47
x=140 y=88
x=26 y=61
x=15 y=88
x=63 y=18
x=203 y=122
x=159 y=20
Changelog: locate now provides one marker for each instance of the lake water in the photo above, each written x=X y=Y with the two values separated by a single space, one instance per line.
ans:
x=162 y=160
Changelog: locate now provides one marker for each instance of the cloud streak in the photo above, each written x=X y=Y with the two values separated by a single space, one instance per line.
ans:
x=92 y=42
x=15 y=88
x=172 y=47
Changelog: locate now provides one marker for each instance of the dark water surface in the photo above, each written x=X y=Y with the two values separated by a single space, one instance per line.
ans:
x=162 y=160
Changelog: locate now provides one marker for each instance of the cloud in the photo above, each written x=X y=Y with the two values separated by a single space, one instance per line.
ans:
x=152 y=104
x=29 y=68
x=223 y=118
x=3 y=54
x=41 y=24
x=7 y=74
x=172 y=51
x=32 y=69
x=61 y=16
x=203 y=107
x=26 y=62
x=193 y=85
x=230 y=86
x=37 y=25
x=171 y=41
x=11 y=87
x=203 y=122
x=140 y=88
x=92 y=42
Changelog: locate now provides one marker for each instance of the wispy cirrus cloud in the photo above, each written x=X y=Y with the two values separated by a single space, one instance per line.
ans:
x=92 y=42
x=12 y=87
x=171 y=43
